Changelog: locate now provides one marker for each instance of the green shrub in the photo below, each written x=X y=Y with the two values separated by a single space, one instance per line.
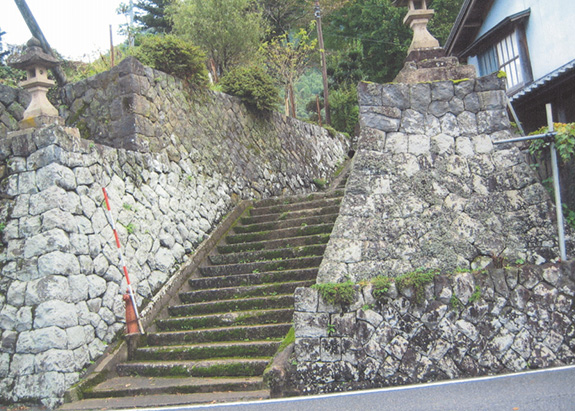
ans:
x=344 y=109
x=380 y=287
x=564 y=141
x=174 y=56
x=252 y=85
x=337 y=293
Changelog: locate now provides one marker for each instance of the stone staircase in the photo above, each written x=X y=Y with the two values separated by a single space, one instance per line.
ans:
x=214 y=343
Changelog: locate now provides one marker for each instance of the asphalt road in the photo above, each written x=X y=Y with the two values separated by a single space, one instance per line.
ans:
x=552 y=389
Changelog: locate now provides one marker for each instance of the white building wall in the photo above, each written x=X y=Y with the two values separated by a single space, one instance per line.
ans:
x=550 y=31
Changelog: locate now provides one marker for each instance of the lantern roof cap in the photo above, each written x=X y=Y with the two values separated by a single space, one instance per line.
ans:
x=34 y=55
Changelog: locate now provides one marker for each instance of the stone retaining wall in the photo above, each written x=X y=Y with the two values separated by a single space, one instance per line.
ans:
x=428 y=188
x=13 y=102
x=488 y=322
x=61 y=281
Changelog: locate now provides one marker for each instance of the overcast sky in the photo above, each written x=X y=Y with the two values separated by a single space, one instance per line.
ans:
x=78 y=29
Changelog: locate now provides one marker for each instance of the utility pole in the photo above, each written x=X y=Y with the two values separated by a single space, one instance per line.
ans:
x=131 y=28
x=37 y=32
x=323 y=63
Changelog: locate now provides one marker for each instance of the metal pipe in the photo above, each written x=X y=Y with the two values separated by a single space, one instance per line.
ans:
x=527 y=138
x=556 y=187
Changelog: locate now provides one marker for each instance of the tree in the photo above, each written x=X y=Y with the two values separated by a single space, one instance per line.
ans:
x=229 y=31
x=287 y=58
x=152 y=15
x=282 y=15
x=378 y=28
x=2 y=52
x=445 y=14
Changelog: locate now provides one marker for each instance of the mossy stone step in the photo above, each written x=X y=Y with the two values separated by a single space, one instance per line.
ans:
x=281 y=208
x=288 y=215
x=253 y=279
x=239 y=333
x=274 y=244
x=205 y=351
x=139 y=386
x=226 y=320
x=282 y=222
x=298 y=198
x=253 y=256
x=232 y=305
x=260 y=266
x=231 y=367
x=280 y=234
x=228 y=293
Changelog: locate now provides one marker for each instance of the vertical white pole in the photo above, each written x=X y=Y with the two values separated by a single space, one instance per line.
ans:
x=556 y=187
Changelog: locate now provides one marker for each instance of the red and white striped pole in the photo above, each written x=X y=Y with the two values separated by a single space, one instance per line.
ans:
x=130 y=290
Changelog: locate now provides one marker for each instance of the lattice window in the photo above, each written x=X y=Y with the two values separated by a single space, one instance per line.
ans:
x=506 y=56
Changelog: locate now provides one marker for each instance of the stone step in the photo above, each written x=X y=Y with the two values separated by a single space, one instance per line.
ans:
x=240 y=304
x=280 y=234
x=192 y=392
x=238 y=333
x=226 y=320
x=253 y=279
x=268 y=202
x=230 y=367
x=253 y=256
x=139 y=386
x=282 y=222
x=229 y=293
x=281 y=208
x=273 y=244
x=204 y=351
x=260 y=266
x=288 y=215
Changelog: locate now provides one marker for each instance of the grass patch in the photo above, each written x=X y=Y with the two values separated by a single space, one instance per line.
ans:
x=337 y=293
x=381 y=286
x=417 y=280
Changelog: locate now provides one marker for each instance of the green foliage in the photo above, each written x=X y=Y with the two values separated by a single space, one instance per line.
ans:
x=344 y=67
x=330 y=329
x=283 y=15
x=337 y=293
x=253 y=85
x=569 y=216
x=320 y=182
x=130 y=228
x=455 y=303
x=2 y=52
x=9 y=76
x=289 y=339
x=446 y=12
x=476 y=296
x=174 y=56
x=151 y=15
x=376 y=29
x=564 y=141
x=416 y=279
x=228 y=31
x=2 y=227
x=344 y=108
x=381 y=286
x=287 y=57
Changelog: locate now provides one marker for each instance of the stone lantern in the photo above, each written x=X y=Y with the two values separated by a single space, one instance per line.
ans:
x=36 y=63
x=418 y=15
